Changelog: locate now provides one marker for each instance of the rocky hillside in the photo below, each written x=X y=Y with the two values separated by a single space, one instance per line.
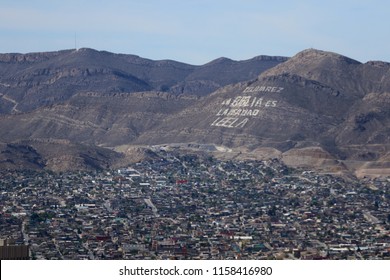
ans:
x=31 y=81
x=317 y=109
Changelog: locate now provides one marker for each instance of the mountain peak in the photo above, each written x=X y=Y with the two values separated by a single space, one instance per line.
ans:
x=315 y=54
x=219 y=60
x=315 y=64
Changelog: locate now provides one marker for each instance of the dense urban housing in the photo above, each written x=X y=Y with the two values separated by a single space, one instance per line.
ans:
x=196 y=207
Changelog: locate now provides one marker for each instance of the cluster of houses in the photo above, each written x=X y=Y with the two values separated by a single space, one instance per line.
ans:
x=196 y=207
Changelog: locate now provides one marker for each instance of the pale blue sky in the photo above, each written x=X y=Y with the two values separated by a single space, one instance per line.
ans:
x=197 y=31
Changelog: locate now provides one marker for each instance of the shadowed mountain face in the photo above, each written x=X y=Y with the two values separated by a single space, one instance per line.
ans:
x=317 y=109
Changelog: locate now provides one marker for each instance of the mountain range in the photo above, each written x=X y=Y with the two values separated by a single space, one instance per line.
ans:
x=81 y=109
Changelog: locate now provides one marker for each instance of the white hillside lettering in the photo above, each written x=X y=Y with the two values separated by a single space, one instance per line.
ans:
x=241 y=106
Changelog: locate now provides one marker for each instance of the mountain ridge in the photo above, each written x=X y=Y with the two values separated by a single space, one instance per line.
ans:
x=40 y=79
x=317 y=109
